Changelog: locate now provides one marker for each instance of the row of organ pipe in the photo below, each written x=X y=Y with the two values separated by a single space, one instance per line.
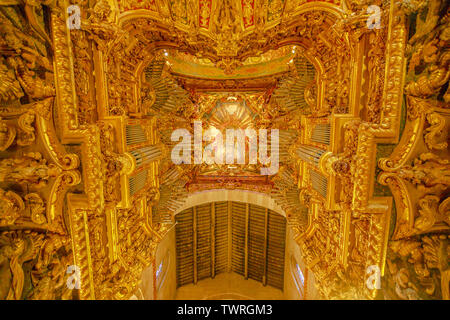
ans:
x=172 y=192
x=286 y=194
x=137 y=182
x=321 y=134
x=290 y=92
x=309 y=154
x=168 y=95
x=286 y=138
x=154 y=70
x=170 y=176
x=319 y=183
x=135 y=134
x=172 y=197
x=161 y=216
x=146 y=155
x=304 y=68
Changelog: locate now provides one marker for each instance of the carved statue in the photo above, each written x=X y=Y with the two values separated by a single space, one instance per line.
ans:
x=37 y=208
x=31 y=168
x=7 y=135
x=403 y=287
x=428 y=256
x=437 y=125
x=15 y=248
x=32 y=85
x=26 y=134
x=49 y=273
x=99 y=25
x=226 y=27
x=426 y=24
x=429 y=172
x=11 y=204
x=429 y=51
x=10 y=88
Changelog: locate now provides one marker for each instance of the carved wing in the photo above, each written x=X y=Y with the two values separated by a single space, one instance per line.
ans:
x=9 y=86
x=9 y=2
x=34 y=244
x=432 y=251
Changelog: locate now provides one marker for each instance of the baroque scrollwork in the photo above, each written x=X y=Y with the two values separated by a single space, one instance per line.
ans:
x=86 y=117
x=418 y=179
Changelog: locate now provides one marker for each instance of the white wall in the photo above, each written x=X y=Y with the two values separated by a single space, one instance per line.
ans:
x=146 y=285
x=168 y=287
x=290 y=289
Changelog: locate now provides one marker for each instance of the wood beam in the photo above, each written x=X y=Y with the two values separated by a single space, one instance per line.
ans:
x=213 y=239
x=194 y=216
x=155 y=289
x=305 y=286
x=266 y=220
x=246 y=241
x=230 y=235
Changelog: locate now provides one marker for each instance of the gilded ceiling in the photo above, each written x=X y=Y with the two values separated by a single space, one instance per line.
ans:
x=88 y=108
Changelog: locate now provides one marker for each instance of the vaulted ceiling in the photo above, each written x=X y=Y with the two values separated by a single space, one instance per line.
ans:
x=230 y=236
x=87 y=111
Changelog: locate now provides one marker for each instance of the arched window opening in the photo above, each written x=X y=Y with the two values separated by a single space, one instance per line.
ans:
x=300 y=278
x=161 y=271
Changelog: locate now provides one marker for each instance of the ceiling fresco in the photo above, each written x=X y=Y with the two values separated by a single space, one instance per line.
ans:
x=206 y=13
x=272 y=63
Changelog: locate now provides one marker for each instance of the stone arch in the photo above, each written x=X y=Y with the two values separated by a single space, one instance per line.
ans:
x=207 y=196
